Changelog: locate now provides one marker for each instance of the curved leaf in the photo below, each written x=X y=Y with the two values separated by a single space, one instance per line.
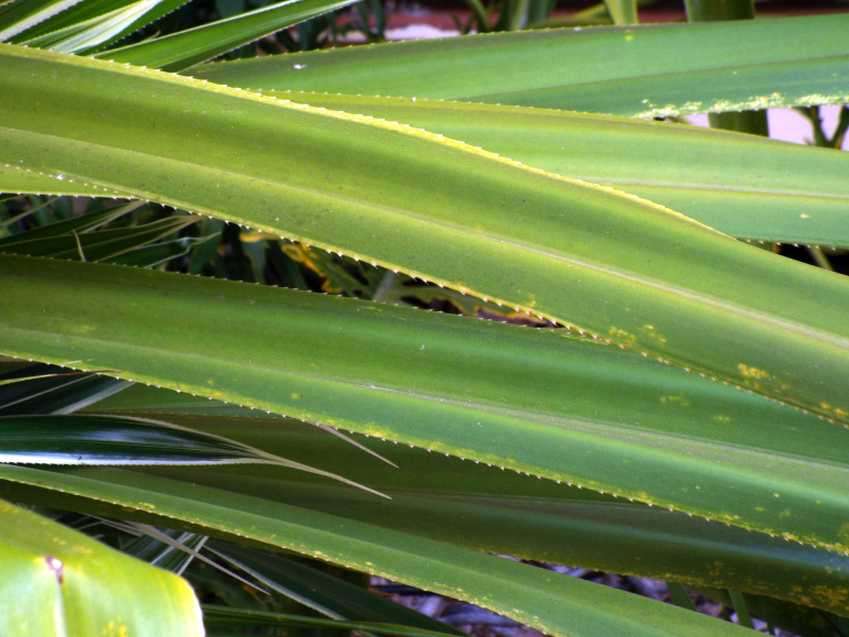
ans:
x=126 y=441
x=437 y=381
x=659 y=71
x=536 y=241
x=56 y=582
x=748 y=187
x=503 y=512
x=742 y=185
x=556 y=605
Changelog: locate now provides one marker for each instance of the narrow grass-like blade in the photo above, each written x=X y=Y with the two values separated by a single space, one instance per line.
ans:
x=319 y=590
x=93 y=25
x=49 y=390
x=100 y=245
x=240 y=618
x=16 y=17
x=85 y=440
x=81 y=225
x=187 y=48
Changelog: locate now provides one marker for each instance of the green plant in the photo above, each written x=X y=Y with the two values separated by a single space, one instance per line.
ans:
x=678 y=372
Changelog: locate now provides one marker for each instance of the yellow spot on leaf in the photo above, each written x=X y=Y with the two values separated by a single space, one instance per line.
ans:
x=752 y=372
x=626 y=339
x=681 y=401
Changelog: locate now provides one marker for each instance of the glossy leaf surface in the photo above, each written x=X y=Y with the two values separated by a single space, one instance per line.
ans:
x=56 y=582
x=116 y=441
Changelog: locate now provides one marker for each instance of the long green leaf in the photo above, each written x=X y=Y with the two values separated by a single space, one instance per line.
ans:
x=503 y=512
x=658 y=70
x=56 y=582
x=478 y=222
x=187 y=48
x=556 y=605
x=116 y=441
x=669 y=438
x=751 y=188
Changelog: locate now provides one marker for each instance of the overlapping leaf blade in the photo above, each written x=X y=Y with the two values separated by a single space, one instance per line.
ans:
x=127 y=441
x=541 y=599
x=503 y=512
x=658 y=70
x=739 y=184
x=236 y=617
x=531 y=239
x=667 y=438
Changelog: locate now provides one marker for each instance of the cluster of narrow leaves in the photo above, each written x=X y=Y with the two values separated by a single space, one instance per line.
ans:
x=681 y=415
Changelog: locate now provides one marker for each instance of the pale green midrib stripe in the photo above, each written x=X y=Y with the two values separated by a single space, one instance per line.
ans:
x=592 y=179
x=574 y=118
x=585 y=427
x=614 y=273
x=717 y=187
